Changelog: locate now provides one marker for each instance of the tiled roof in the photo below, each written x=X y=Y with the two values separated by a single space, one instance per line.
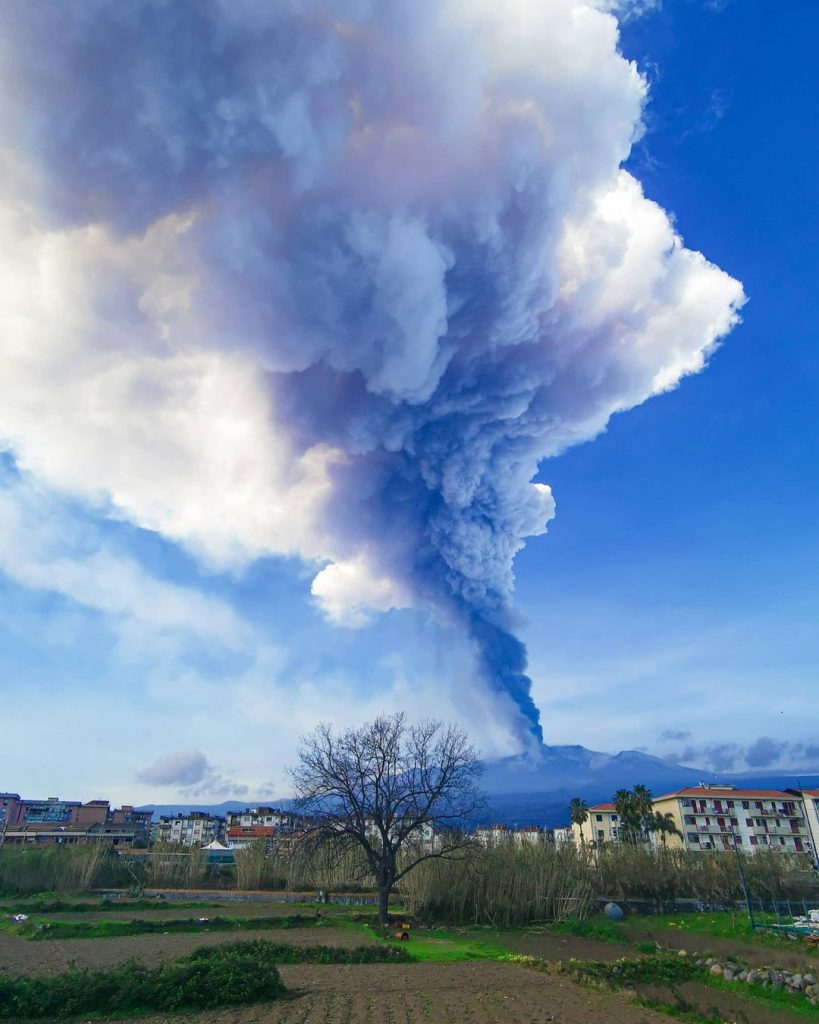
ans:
x=603 y=807
x=712 y=793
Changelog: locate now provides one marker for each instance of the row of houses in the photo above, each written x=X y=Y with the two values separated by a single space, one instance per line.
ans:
x=706 y=817
x=718 y=817
x=71 y=821
x=236 y=830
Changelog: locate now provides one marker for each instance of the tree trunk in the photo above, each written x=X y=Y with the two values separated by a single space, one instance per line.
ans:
x=383 y=903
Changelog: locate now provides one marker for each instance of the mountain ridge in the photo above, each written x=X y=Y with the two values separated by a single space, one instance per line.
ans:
x=535 y=788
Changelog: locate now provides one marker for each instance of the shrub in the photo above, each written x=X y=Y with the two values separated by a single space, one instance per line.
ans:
x=209 y=978
x=659 y=968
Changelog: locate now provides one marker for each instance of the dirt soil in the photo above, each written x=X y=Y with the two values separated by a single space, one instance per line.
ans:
x=720 y=1004
x=20 y=956
x=788 y=955
x=477 y=993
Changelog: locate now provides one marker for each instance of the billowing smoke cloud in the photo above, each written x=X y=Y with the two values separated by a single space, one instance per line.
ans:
x=333 y=279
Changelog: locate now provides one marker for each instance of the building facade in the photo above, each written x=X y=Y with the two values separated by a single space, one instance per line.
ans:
x=715 y=817
x=196 y=828
x=270 y=825
x=810 y=802
x=70 y=821
x=601 y=826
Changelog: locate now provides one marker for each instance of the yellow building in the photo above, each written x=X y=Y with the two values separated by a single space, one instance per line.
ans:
x=712 y=817
x=601 y=826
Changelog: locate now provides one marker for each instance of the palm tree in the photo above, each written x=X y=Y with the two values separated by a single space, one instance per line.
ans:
x=644 y=808
x=664 y=824
x=579 y=811
x=627 y=814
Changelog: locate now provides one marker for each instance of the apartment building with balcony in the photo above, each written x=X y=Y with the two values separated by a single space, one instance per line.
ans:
x=602 y=826
x=810 y=801
x=196 y=828
x=270 y=825
x=718 y=817
x=68 y=822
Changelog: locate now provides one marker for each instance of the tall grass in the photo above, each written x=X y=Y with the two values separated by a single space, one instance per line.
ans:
x=26 y=869
x=509 y=885
x=502 y=887
x=663 y=876
x=302 y=868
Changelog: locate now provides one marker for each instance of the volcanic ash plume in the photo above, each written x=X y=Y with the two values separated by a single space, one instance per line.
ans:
x=332 y=279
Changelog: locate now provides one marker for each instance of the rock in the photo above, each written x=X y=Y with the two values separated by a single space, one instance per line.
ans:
x=753 y=976
x=742 y=976
x=797 y=981
x=809 y=979
x=728 y=974
x=682 y=952
x=776 y=985
x=715 y=970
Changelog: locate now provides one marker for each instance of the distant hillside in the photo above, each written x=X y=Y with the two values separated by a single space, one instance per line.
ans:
x=536 y=789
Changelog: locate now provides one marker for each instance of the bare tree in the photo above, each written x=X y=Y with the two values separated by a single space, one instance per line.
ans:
x=384 y=787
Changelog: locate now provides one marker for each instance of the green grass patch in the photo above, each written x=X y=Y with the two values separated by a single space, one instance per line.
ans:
x=776 y=999
x=725 y=924
x=40 y=930
x=56 y=905
x=437 y=945
x=599 y=928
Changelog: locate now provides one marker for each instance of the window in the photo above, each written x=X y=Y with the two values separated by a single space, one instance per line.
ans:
x=745 y=805
x=734 y=822
x=754 y=840
x=600 y=833
x=599 y=817
x=730 y=803
x=749 y=822
x=693 y=837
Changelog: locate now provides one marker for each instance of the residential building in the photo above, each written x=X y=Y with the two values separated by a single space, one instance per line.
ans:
x=493 y=835
x=270 y=825
x=529 y=835
x=70 y=821
x=719 y=817
x=196 y=828
x=563 y=834
x=600 y=827
x=810 y=802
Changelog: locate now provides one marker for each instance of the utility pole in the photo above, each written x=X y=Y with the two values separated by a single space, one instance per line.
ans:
x=745 y=892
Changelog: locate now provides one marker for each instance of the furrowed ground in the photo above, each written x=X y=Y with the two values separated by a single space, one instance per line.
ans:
x=457 y=974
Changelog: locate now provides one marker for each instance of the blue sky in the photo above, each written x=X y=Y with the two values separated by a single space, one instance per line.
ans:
x=685 y=550
x=163 y=630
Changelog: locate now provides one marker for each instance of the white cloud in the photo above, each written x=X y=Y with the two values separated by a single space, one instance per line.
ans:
x=348 y=593
x=96 y=400
x=45 y=545
x=180 y=768
x=190 y=772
